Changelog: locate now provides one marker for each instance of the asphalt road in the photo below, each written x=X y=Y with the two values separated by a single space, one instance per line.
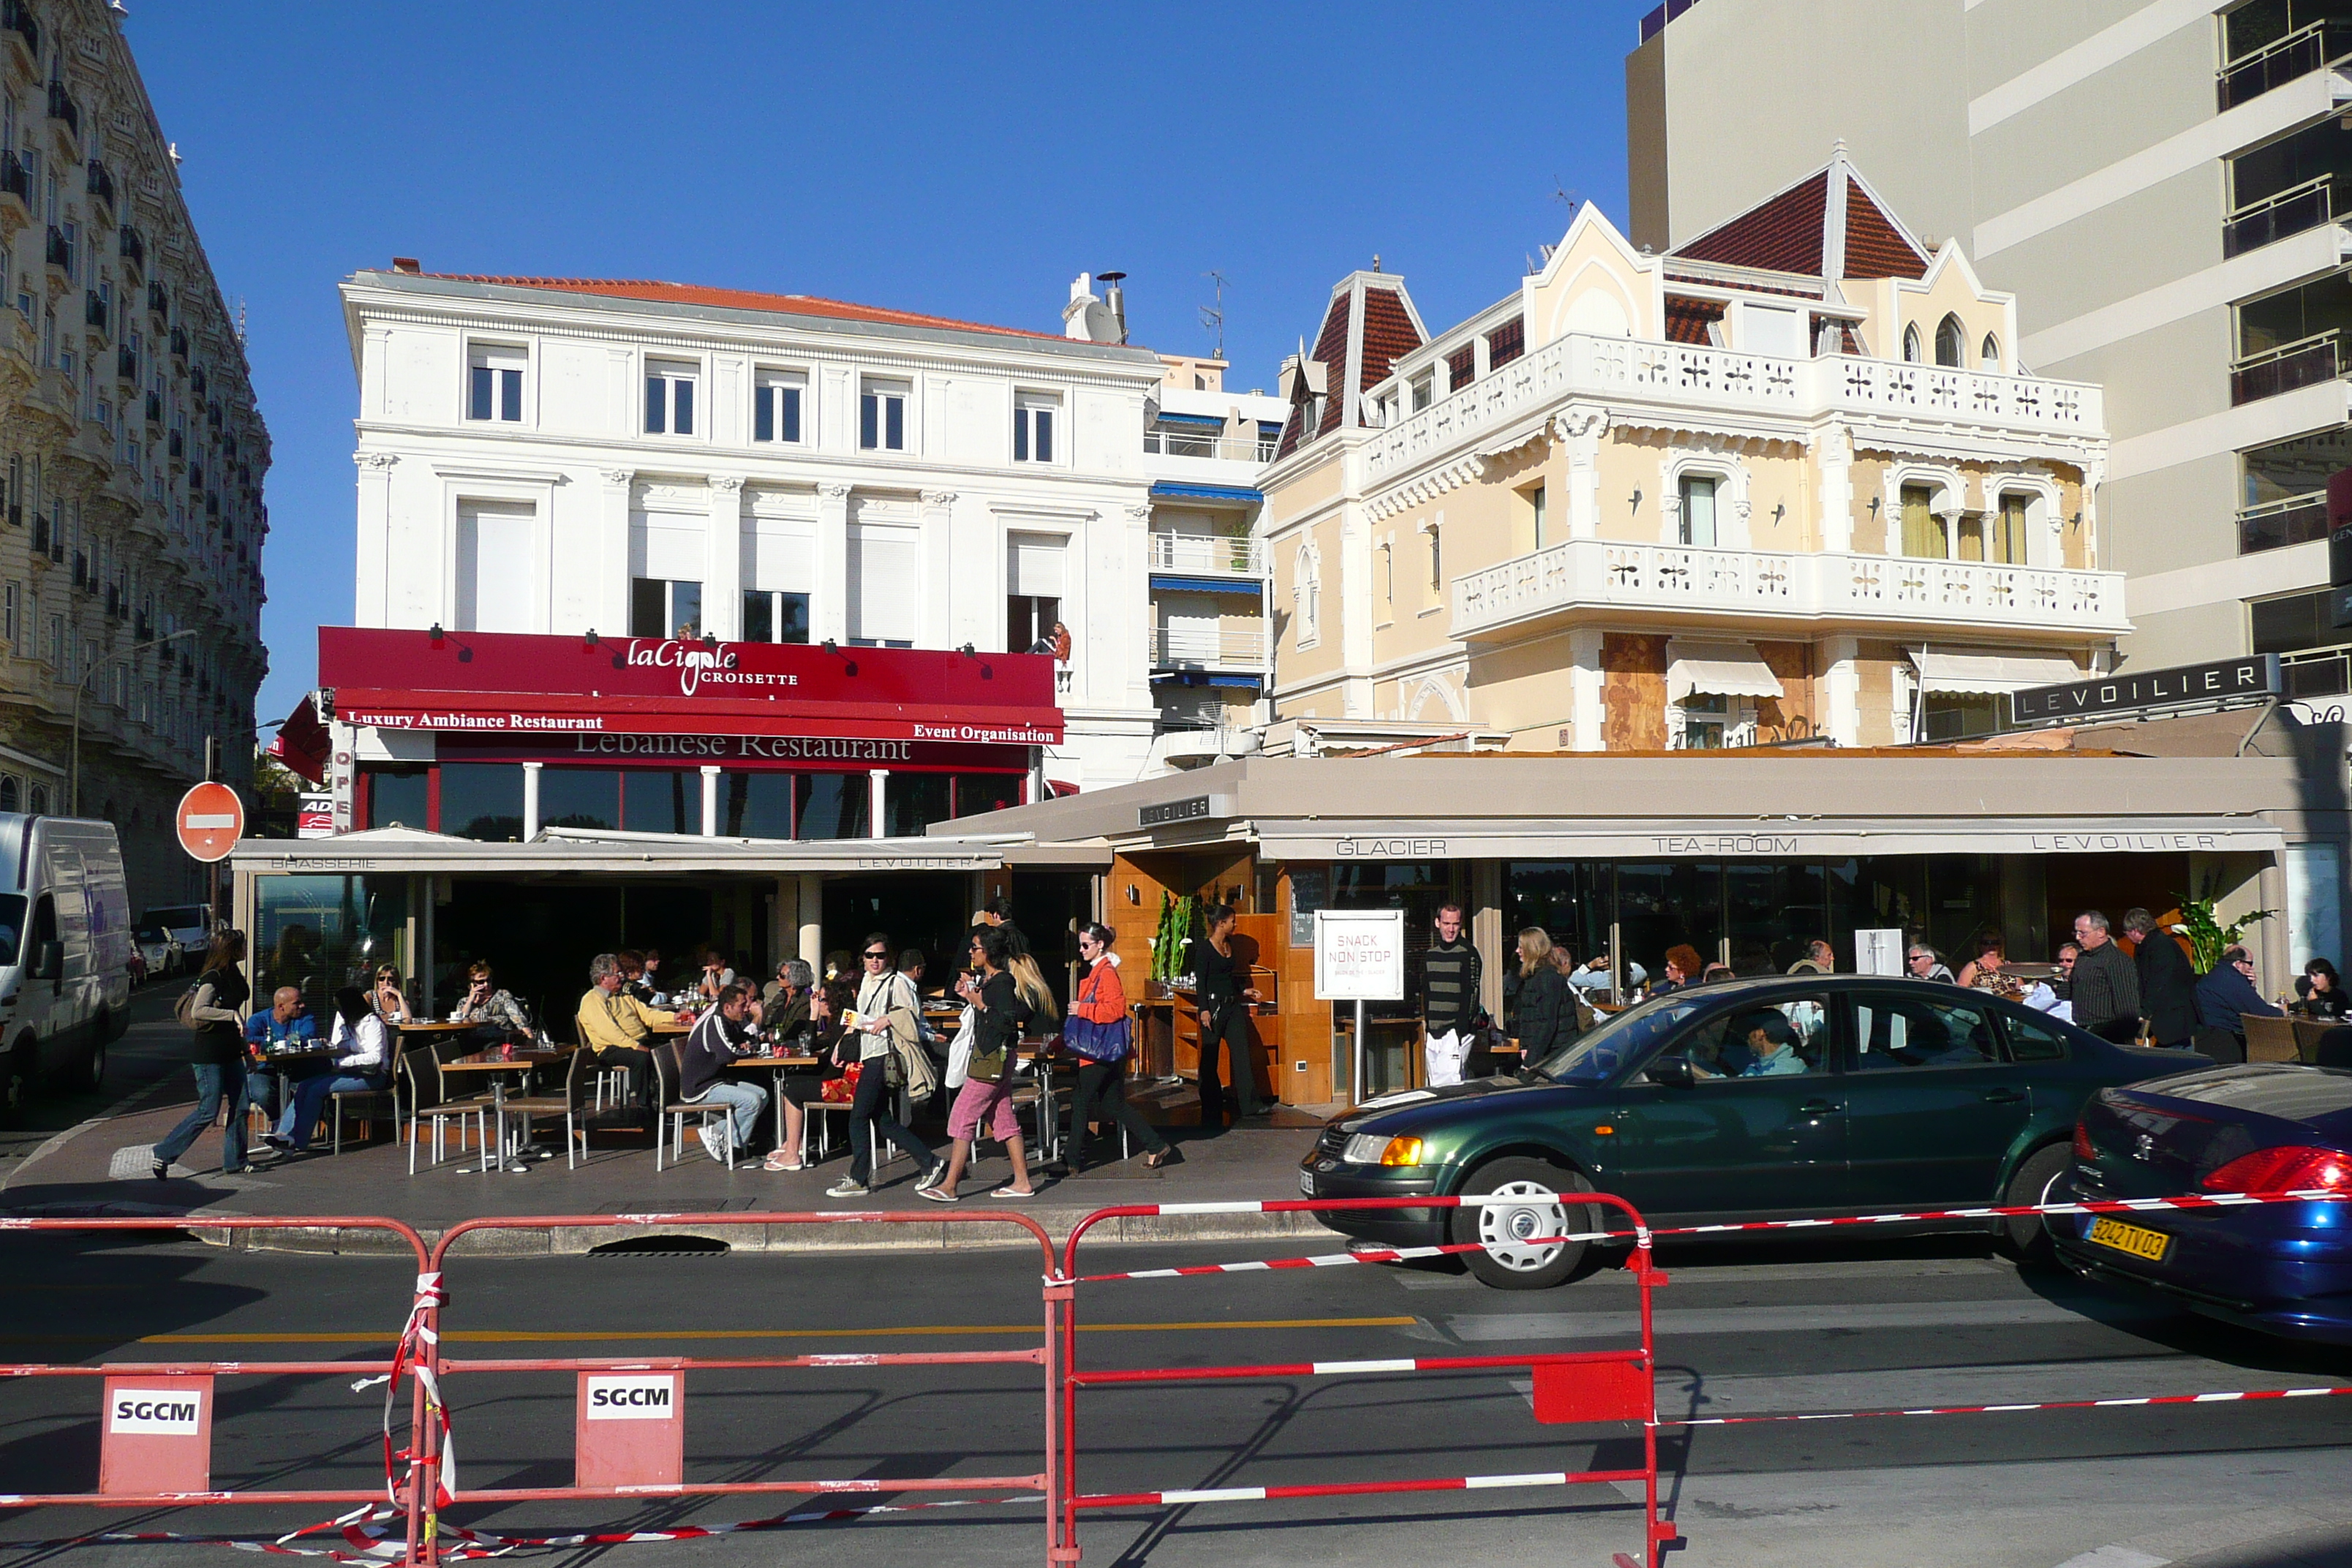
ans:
x=1744 y=1329
x=147 y=1065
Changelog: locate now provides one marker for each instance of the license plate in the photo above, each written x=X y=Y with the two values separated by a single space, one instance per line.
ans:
x=1307 y=1182
x=2136 y=1239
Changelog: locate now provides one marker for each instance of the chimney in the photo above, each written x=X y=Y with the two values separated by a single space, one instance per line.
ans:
x=408 y=263
x=1116 y=297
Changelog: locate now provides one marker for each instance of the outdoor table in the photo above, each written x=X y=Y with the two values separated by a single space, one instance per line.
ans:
x=779 y=1064
x=496 y=1064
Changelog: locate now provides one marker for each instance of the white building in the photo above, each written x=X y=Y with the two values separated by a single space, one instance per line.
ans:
x=558 y=456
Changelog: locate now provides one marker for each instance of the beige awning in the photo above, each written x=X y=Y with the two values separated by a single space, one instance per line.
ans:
x=1718 y=670
x=1941 y=669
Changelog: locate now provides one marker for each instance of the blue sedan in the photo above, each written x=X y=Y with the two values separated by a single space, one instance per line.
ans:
x=2284 y=1268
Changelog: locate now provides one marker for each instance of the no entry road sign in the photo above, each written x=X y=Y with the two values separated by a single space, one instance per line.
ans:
x=211 y=820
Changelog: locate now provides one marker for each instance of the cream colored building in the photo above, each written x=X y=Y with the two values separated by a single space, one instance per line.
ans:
x=131 y=456
x=1782 y=483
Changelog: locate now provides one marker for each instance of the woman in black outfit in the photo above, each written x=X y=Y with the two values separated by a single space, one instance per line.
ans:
x=1547 y=1016
x=2320 y=992
x=1225 y=997
x=217 y=1056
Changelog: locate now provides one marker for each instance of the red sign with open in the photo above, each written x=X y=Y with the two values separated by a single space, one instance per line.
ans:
x=211 y=820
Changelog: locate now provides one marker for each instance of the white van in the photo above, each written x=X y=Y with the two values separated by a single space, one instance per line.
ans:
x=64 y=950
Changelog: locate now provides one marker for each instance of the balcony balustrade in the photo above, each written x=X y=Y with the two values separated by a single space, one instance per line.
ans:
x=62 y=109
x=2307 y=361
x=126 y=365
x=59 y=251
x=1218 y=554
x=158 y=301
x=93 y=309
x=16 y=18
x=133 y=248
x=2301 y=52
x=2291 y=520
x=1170 y=442
x=99 y=183
x=1686 y=376
x=2290 y=212
x=1602 y=577
x=1242 y=646
x=154 y=408
x=15 y=180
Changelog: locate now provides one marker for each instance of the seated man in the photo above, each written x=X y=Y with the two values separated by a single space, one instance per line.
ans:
x=617 y=1028
x=722 y=1035
x=363 y=1051
x=284 y=1027
x=2225 y=996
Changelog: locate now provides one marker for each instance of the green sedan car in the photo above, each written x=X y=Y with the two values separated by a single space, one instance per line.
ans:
x=1782 y=1097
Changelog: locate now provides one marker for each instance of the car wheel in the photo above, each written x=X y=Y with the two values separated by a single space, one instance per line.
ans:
x=1505 y=1260
x=91 y=1076
x=2026 y=1236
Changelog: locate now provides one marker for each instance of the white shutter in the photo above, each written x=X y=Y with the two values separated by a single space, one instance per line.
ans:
x=882 y=586
x=1034 y=567
x=779 y=557
x=494 y=568
x=667 y=545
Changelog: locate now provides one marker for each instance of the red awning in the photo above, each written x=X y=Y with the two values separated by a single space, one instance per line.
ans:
x=302 y=744
x=553 y=714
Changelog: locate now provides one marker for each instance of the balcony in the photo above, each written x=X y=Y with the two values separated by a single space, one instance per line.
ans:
x=16 y=181
x=1172 y=442
x=2291 y=212
x=175 y=445
x=93 y=309
x=155 y=408
x=133 y=248
x=1600 y=578
x=2307 y=361
x=1239 y=645
x=61 y=109
x=1218 y=555
x=23 y=32
x=126 y=365
x=2275 y=525
x=179 y=343
x=2298 y=54
x=158 y=301
x=100 y=184
x=198 y=382
x=59 y=253
x=1685 y=377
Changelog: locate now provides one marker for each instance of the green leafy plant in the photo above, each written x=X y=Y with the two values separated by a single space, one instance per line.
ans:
x=2209 y=938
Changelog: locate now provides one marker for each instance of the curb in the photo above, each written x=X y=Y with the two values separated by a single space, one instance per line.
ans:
x=561 y=1241
x=50 y=1146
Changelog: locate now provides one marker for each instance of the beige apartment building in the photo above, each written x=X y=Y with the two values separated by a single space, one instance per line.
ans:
x=1784 y=482
x=131 y=456
x=2154 y=179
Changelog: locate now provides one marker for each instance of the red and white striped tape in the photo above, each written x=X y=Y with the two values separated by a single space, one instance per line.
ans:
x=1352 y=1489
x=2231 y=1397
x=1401 y=1253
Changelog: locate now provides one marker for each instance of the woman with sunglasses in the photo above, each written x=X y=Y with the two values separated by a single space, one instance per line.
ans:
x=884 y=1013
x=386 y=998
x=1098 y=1032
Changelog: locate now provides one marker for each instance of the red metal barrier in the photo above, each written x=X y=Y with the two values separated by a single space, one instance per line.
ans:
x=1582 y=1388
x=148 y=1452
x=434 y=1459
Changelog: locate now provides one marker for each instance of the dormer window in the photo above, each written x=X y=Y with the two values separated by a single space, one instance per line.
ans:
x=1033 y=417
x=494 y=383
x=776 y=404
x=669 y=397
x=1424 y=391
x=882 y=416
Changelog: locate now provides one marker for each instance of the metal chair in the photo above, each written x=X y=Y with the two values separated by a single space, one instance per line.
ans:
x=369 y=1102
x=420 y=1074
x=535 y=1107
x=674 y=1113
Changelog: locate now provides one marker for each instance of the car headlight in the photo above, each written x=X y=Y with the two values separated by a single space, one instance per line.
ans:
x=1372 y=1149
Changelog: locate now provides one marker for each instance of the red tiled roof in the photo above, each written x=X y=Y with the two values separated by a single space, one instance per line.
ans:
x=1389 y=334
x=1874 y=248
x=734 y=299
x=1687 y=320
x=1332 y=349
x=1784 y=235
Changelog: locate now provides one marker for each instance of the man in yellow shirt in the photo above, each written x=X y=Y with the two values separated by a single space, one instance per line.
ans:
x=618 y=1027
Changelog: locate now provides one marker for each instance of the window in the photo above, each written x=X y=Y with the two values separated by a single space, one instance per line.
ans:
x=831 y=806
x=776 y=408
x=1032 y=427
x=1989 y=355
x=882 y=417
x=577 y=797
x=757 y=806
x=912 y=802
x=660 y=608
x=2033 y=1041
x=1911 y=350
x=2008 y=525
x=38 y=800
x=669 y=398
x=775 y=616
x=1705 y=719
x=884 y=569
x=1900 y=1030
x=494 y=384
x=1698 y=510
x=8 y=623
x=1305 y=597
x=495 y=548
x=1034 y=581
x=1924 y=531
x=1460 y=367
x=1029 y=620
x=1956 y=715
x=1422 y=388
x=1534 y=496
x=1951 y=343
x=1784 y=1038
x=1388 y=572
x=661 y=800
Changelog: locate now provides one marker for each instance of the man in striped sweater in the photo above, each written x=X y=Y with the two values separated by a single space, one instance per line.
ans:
x=1450 y=976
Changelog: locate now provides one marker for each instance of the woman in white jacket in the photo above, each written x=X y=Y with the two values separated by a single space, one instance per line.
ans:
x=362 y=1059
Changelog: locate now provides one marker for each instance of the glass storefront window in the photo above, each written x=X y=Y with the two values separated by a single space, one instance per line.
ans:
x=579 y=797
x=661 y=800
x=976 y=792
x=1572 y=901
x=1664 y=906
x=482 y=800
x=758 y=806
x=1772 y=911
x=912 y=802
x=396 y=796
x=317 y=933
x=831 y=806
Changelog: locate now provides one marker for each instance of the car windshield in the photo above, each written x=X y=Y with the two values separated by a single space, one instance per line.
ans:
x=11 y=927
x=1594 y=1055
x=150 y=934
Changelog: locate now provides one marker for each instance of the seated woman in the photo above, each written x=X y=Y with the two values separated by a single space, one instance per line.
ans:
x=495 y=1015
x=789 y=1018
x=2319 y=994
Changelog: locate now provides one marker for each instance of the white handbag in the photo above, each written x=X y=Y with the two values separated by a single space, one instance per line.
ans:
x=960 y=1051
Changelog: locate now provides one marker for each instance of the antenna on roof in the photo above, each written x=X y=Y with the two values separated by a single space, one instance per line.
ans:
x=1212 y=317
x=1115 y=298
x=1562 y=194
x=240 y=318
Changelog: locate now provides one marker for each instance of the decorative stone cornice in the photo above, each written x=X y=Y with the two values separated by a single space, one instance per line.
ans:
x=939 y=498
x=381 y=462
x=726 y=484
x=834 y=491
x=1427 y=487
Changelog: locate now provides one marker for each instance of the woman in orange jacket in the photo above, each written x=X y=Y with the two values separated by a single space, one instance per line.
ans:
x=1096 y=1031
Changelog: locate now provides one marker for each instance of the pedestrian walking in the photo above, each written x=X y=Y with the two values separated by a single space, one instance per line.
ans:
x=1546 y=1015
x=1222 y=987
x=718 y=1036
x=985 y=1101
x=870 y=1041
x=361 y=1065
x=216 y=1056
x=1098 y=1034
x=2106 y=983
x=2168 y=982
x=1451 y=976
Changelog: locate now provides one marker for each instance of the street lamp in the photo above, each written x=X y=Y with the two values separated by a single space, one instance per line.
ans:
x=73 y=807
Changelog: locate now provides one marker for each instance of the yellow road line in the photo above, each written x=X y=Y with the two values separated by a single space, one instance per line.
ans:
x=526 y=1336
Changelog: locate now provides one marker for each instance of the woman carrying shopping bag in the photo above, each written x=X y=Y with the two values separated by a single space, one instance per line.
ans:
x=1099 y=1035
x=985 y=1100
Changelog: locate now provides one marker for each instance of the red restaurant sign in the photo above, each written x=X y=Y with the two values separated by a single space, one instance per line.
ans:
x=514 y=684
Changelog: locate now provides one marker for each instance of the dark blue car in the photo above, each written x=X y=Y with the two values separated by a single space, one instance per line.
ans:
x=2284 y=1268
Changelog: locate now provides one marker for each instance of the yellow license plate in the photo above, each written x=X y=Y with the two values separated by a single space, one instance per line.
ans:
x=2136 y=1239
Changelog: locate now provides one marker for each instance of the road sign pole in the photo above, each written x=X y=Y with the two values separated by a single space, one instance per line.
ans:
x=1358 y=1095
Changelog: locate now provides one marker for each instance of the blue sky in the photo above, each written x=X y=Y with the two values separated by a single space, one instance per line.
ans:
x=966 y=161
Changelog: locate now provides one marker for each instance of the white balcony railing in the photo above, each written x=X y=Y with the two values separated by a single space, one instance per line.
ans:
x=1220 y=554
x=1241 y=644
x=1173 y=443
x=1629 y=371
x=1606 y=575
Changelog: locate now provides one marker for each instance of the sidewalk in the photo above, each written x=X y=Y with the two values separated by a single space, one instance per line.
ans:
x=102 y=1168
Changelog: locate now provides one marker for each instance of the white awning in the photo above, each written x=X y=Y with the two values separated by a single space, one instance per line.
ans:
x=1941 y=669
x=1718 y=670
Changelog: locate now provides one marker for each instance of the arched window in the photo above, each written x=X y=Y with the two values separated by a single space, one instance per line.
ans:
x=1305 y=596
x=40 y=807
x=1911 y=344
x=1951 y=343
x=11 y=794
x=1989 y=356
